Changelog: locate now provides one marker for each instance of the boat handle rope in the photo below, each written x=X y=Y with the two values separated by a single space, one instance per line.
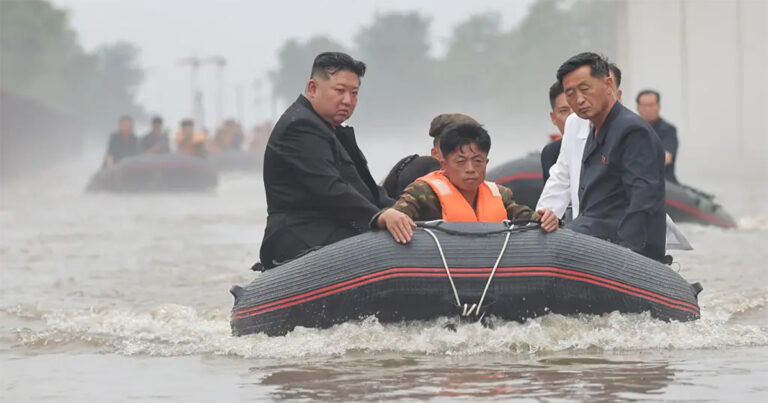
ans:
x=474 y=308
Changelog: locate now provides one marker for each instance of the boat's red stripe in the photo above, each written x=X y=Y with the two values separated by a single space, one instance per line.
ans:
x=464 y=272
x=484 y=271
x=518 y=176
x=693 y=210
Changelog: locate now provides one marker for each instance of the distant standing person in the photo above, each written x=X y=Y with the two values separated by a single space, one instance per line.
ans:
x=122 y=143
x=190 y=142
x=156 y=141
x=648 y=106
x=621 y=189
x=560 y=112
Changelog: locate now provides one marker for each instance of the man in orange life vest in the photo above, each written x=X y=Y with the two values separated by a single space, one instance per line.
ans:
x=459 y=191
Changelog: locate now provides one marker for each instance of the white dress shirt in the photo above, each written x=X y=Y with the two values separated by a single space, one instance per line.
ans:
x=562 y=187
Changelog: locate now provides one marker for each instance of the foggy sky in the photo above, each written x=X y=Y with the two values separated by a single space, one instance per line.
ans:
x=246 y=33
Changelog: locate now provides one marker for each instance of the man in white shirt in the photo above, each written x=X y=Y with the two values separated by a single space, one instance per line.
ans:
x=562 y=187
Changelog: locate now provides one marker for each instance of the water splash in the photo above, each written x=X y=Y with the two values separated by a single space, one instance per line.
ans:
x=172 y=330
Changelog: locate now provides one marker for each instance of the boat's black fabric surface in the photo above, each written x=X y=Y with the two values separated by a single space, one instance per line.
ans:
x=562 y=272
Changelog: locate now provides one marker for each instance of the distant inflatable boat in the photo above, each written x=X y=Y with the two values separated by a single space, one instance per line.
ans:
x=684 y=203
x=467 y=269
x=237 y=160
x=156 y=173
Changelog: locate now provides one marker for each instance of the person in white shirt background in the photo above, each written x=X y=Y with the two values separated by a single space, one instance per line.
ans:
x=562 y=187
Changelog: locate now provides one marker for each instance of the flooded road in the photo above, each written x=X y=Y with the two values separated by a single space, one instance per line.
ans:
x=110 y=298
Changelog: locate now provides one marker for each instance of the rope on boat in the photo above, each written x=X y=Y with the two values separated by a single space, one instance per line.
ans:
x=474 y=308
x=495 y=266
x=445 y=264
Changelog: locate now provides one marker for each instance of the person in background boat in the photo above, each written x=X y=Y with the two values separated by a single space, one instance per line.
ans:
x=229 y=136
x=259 y=136
x=122 y=143
x=318 y=186
x=648 y=106
x=621 y=188
x=190 y=142
x=458 y=192
x=156 y=141
x=560 y=112
x=415 y=166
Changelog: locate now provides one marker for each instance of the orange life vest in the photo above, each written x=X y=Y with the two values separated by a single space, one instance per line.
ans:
x=490 y=206
x=190 y=146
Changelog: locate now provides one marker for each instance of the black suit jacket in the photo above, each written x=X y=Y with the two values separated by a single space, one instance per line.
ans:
x=318 y=186
x=549 y=155
x=668 y=135
x=621 y=191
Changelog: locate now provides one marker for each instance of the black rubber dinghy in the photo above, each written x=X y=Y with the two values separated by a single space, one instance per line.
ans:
x=537 y=273
x=237 y=160
x=523 y=176
x=684 y=203
x=156 y=173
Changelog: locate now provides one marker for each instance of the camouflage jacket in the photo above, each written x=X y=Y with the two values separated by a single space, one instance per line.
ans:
x=421 y=203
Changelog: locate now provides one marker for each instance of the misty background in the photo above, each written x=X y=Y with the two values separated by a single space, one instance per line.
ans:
x=70 y=68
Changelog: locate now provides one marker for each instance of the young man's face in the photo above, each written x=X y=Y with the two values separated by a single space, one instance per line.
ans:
x=560 y=113
x=465 y=167
x=334 y=98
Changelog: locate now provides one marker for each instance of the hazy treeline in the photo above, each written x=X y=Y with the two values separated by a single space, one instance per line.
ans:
x=53 y=91
x=500 y=74
x=41 y=59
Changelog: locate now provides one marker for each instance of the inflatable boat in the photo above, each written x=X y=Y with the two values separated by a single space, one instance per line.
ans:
x=237 y=160
x=473 y=270
x=684 y=203
x=156 y=173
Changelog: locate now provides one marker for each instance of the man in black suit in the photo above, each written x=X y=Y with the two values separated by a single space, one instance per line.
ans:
x=648 y=106
x=560 y=112
x=318 y=186
x=621 y=191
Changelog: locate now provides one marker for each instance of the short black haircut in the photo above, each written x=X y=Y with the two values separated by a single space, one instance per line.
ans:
x=616 y=74
x=554 y=91
x=157 y=119
x=598 y=65
x=187 y=122
x=327 y=64
x=456 y=136
x=125 y=117
x=646 y=92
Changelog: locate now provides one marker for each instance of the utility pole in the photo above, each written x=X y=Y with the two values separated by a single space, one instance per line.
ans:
x=195 y=97
x=220 y=64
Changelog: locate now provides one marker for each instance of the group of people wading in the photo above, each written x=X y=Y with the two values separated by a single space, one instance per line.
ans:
x=319 y=189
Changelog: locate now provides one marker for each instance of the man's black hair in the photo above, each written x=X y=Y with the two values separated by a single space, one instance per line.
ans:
x=456 y=136
x=157 y=119
x=646 y=92
x=554 y=91
x=598 y=65
x=125 y=117
x=327 y=64
x=187 y=122
x=616 y=74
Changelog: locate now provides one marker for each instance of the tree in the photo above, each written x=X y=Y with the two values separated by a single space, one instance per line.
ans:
x=41 y=59
x=295 y=64
x=398 y=82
